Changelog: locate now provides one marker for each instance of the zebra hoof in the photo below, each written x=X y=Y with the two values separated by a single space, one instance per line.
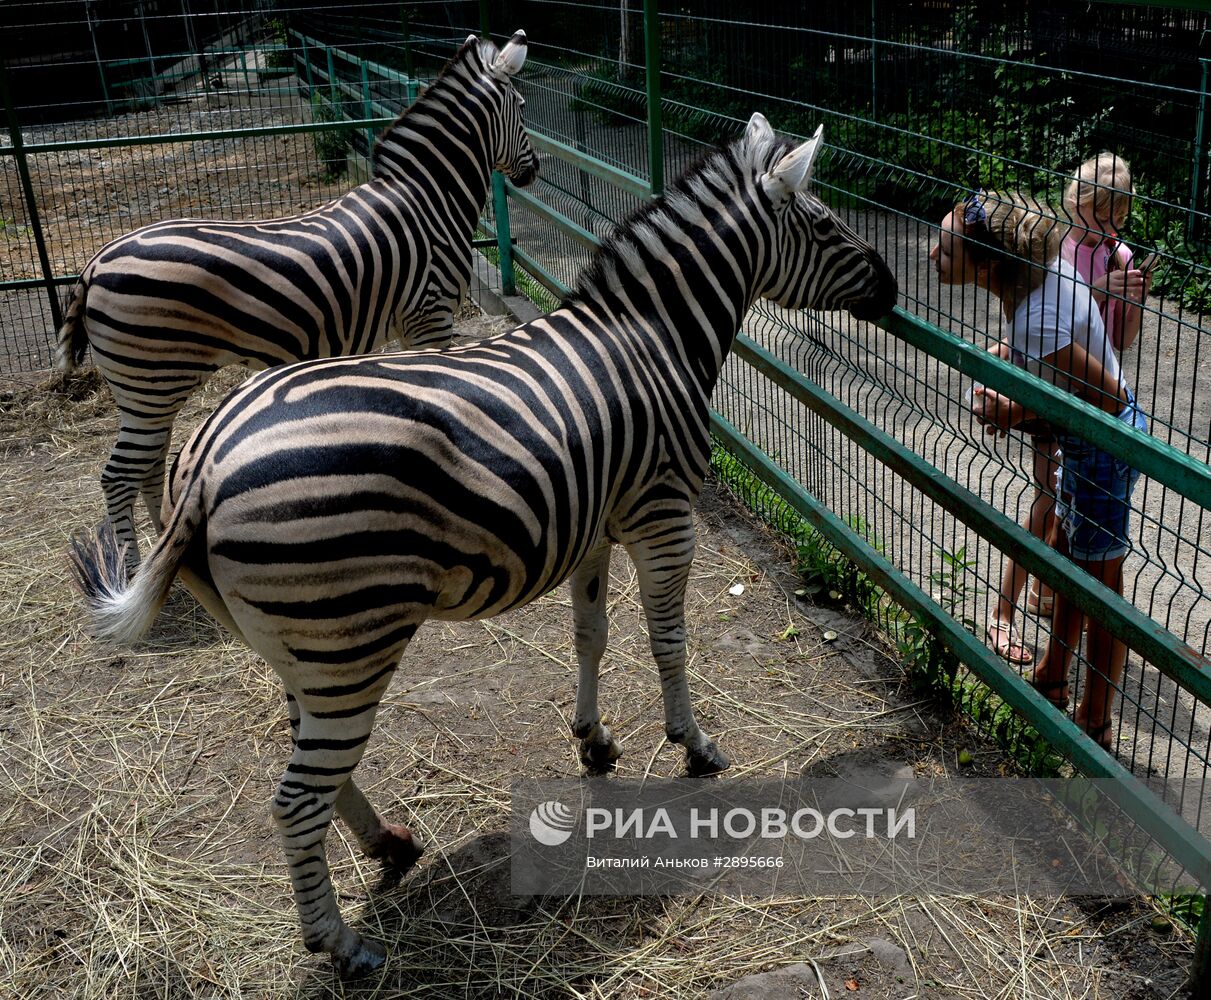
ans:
x=600 y=756
x=362 y=959
x=708 y=759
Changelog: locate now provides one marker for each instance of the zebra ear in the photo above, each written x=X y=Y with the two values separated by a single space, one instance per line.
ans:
x=794 y=170
x=757 y=130
x=512 y=57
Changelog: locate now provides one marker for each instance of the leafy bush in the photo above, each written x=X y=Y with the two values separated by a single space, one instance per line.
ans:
x=331 y=145
x=612 y=102
x=278 y=56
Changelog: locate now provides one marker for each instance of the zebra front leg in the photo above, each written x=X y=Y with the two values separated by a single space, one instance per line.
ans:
x=333 y=724
x=590 y=582
x=663 y=572
x=390 y=843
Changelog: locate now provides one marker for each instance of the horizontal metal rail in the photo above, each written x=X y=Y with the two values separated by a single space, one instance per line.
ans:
x=553 y=216
x=1156 y=459
x=592 y=165
x=1160 y=647
x=164 y=138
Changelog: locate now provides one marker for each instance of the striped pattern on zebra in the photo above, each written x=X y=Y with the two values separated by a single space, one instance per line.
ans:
x=167 y=305
x=327 y=509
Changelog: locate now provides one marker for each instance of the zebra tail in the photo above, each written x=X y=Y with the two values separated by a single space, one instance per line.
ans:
x=73 y=341
x=121 y=610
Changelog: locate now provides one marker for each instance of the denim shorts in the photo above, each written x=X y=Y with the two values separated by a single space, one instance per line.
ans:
x=1094 y=503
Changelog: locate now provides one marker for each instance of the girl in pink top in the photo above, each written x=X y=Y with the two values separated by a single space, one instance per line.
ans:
x=1098 y=200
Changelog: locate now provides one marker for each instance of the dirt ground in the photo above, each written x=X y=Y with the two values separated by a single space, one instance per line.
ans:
x=137 y=857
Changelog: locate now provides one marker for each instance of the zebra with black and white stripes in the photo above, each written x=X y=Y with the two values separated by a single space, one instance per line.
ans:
x=166 y=306
x=327 y=509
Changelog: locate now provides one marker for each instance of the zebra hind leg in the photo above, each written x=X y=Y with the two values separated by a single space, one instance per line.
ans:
x=334 y=723
x=390 y=843
x=152 y=486
x=598 y=748
x=136 y=465
x=663 y=573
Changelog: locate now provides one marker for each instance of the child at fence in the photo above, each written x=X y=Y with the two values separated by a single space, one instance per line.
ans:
x=1009 y=245
x=1097 y=201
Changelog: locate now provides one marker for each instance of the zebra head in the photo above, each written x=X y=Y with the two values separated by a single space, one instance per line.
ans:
x=817 y=262
x=513 y=155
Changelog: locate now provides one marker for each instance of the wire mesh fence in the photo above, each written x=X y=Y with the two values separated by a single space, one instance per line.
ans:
x=921 y=104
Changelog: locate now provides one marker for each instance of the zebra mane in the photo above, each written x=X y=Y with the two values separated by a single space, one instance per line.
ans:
x=723 y=169
x=478 y=52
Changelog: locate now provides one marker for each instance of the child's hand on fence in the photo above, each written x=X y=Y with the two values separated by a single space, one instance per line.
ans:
x=996 y=412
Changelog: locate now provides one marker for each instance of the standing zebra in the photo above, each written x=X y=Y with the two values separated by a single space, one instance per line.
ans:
x=166 y=306
x=325 y=510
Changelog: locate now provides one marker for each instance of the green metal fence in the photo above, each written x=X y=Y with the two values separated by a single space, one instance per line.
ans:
x=856 y=437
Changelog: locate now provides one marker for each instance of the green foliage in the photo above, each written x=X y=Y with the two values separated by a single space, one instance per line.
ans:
x=278 y=55
x=1187 y=907
x=331 y=145
x=1185 y=275
x=611 y=101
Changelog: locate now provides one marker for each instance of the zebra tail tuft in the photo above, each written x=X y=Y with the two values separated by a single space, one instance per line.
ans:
x=121 y=610
x=73 y=340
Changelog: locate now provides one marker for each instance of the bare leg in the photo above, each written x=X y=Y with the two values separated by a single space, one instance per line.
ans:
x=590 y=583
x=663 y=571
x=1067 y=622
x=1107 y=659
x=1040 y=522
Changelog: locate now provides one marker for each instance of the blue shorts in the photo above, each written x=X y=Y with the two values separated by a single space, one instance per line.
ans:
x=1094 y=503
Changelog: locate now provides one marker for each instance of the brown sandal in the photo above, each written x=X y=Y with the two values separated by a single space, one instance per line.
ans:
x=1101 y=735
x=1059 y=701
x=1012 y=651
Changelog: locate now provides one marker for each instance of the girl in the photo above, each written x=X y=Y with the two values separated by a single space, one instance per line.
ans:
x=1007 y=244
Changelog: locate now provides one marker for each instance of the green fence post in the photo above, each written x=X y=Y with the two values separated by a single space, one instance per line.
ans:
x=409 y=67
x=651 y=44
x=1200 y=138
x=483 y=19
x=1200 y=968
x=307 y=67
x=366 y=114
x=504 y=238
x=31 y=203
x=244 y=68
x=331 y=73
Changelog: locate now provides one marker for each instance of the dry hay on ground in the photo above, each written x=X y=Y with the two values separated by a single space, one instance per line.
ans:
x=138 y=859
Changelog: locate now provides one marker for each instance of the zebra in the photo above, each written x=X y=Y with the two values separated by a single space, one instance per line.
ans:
x=166 y=306
x=326 y=509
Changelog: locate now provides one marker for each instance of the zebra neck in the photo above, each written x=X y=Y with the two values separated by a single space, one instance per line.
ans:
x=451 y=166
x=686 y=289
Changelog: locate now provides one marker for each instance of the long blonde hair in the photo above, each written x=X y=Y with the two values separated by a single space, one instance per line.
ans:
x=1015 y=234
x=1103 y=185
